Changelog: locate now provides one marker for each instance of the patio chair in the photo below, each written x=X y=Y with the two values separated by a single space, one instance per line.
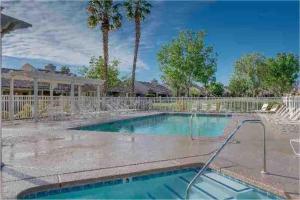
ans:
x=204 y=107
x=293 y=148
x=274 y=108
x=116 y=109
x=263 y=108
x=194 y=107
x=282 y=110
x=295 y=115
x=291 y=117
x=277 y=115
x=279 y=110
x=213 y=107
x=222 y=108
x=281 y=113
x=56 y=112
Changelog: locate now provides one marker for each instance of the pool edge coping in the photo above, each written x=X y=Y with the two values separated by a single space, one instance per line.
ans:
x=233 y=175
x=213 y=138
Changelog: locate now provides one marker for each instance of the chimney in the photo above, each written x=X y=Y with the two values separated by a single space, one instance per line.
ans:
x=50 y=68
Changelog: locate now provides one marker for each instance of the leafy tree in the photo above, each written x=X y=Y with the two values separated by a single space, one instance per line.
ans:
x=96 y=71
x=255 y=74
x=282 y=73
x=136 y=10
x=249 y=69
x=174 y=80
x=104 y=13
x=186 y=60
x=239 y=86
x=65 y=70
x=195 y=92
x=216 y=89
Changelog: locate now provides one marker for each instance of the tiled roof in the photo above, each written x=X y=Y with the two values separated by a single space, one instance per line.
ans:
x=7 y=70
x=144 y=88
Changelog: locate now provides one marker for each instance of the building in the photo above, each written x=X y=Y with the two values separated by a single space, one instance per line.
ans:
x=142 y=89
x=61 y=82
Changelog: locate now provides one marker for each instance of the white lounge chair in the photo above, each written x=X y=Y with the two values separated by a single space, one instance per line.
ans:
x=274 y=108
x=194 y=106
x=282 y=111
x=213 y=107
x=56 y=112
x=293 y=148
x=222 y=108
x=263 y=108
x=277 y=115
x=294 y=115
x=291 y=117
x=204 y=107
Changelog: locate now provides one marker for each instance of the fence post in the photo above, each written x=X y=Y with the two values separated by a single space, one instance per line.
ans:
x=51 y=95
x=72 y=98
x=11 y=98
x=35 y=99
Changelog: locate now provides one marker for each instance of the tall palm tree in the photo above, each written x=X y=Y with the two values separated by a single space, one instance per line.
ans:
x=136 y=10
x=104 y=13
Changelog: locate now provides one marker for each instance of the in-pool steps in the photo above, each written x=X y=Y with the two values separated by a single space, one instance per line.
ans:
x=226 y=182
x=210 y=186
x=204 y=189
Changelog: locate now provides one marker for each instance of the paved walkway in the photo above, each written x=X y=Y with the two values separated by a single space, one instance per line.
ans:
x=34 y=153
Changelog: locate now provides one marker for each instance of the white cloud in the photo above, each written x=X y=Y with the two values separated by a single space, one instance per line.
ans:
x=60 y=34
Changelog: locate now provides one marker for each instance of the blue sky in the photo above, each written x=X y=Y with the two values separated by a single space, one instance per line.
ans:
x=60 y=34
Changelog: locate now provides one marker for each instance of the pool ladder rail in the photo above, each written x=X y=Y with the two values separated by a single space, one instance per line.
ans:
x=213 y=157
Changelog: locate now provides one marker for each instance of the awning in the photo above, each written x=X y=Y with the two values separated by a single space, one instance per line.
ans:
x=9 y=24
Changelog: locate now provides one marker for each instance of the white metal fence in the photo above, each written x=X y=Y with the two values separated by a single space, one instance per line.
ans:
x=292 y=102
x=23 y=107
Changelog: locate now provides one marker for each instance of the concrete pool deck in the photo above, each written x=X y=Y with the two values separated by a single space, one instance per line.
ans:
x=34 y=153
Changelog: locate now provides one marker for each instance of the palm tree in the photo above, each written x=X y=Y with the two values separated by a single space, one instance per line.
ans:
x=104 y=13
x=136 y=10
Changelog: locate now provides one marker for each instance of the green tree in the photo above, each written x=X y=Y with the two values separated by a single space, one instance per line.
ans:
x=239 y=86
x=95 y=71
x=104 y=13
x=185 y=60
x=216 y=89
x=195 y=92
x=65 y=69
x=136 y=10
x=249 y=71
x=282 y=73
x=174 y=80
x=255 y=74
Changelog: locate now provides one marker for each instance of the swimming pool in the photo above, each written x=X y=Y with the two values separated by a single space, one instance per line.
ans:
x=167 y=124
x=163 y=185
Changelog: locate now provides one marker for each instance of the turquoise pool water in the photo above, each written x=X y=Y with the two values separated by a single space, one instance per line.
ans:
x=166 y=185
x=167 y=124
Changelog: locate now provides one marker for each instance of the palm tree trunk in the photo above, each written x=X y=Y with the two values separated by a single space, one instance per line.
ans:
x=105 y=52
x=136 y=49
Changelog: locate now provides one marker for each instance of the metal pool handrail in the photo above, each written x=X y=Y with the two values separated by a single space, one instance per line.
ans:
x=212 y=158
